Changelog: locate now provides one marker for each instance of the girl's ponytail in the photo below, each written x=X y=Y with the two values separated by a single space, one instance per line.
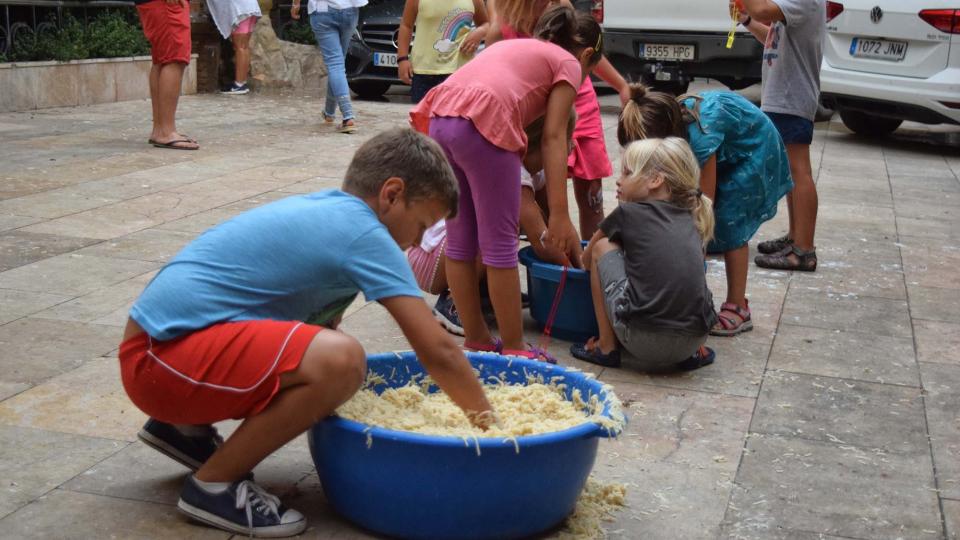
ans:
x=703 y=216
x=571 y=30
x=650 y=115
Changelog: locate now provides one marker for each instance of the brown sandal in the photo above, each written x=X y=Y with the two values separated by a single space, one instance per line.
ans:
x=806 y=260
x=728 y=326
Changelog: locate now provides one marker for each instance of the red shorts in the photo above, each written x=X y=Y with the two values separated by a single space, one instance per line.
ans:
x=167 y=27
x=228 y=370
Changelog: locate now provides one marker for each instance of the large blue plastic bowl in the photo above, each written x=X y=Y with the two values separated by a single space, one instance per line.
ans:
x=409 y=485
x=575 y=320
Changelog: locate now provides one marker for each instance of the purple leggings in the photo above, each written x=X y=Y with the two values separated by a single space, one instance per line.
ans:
x=489 y=213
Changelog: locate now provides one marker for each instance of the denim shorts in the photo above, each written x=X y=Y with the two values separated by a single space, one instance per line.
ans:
x=793 y=129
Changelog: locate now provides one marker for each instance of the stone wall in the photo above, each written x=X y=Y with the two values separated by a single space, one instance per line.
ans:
x=26 y=86
x=278 y=64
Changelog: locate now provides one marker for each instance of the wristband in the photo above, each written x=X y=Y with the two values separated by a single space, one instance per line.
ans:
x=747 y=22
x=402 y=58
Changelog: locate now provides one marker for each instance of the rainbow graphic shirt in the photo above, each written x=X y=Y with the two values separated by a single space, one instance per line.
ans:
x=440 y=28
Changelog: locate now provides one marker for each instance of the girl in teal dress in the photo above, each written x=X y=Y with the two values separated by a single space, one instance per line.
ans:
x=744 y=169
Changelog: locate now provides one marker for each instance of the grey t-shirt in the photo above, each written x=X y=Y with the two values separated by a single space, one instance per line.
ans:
x=791 y=59
x=664 y=262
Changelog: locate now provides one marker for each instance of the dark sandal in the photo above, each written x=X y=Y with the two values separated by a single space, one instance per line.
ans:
x=703 y=357
x=176 y=144
x=806 y=260
x=593 y=355
x=776 y=245
x=728 y=326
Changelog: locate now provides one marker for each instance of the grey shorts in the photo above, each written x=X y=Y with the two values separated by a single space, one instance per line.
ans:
x=645 y=349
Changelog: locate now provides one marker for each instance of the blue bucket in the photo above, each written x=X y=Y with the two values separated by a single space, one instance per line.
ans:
x=409 y=485
x=575 y=320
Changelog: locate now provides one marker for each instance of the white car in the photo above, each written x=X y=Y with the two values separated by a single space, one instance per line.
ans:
x=886 y=61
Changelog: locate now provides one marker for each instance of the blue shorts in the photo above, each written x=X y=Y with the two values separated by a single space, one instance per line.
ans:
x=793 y=129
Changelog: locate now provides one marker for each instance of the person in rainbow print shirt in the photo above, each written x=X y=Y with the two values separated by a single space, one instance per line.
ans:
x=450 y=32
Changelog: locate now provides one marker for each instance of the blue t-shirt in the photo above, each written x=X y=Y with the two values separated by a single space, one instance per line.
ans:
x=300 y=258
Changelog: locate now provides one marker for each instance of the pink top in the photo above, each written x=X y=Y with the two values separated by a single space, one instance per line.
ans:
x=502 y=90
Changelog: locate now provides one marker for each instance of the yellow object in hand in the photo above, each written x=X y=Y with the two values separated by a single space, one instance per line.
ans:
x=733 y=29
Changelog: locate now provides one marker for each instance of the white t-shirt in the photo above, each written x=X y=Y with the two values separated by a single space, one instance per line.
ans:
x=324 y=5
x=536 y=181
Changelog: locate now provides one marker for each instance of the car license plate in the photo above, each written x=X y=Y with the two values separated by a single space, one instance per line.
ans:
x=878 y=49
x=385 y=59
x=667 y=51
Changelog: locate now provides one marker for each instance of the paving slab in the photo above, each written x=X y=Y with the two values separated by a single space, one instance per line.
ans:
x=877 y=417
x=934 y=304
x=146 y=245
x=937 y=342
x=840 y=490
x=18 y=248
x=70 y=515
x=62 y=346
x=108 y=306
x=738 y=370
x=36 y=461
x=89 y=401
x=16 y=304
x=951 y=516
x=12 y=221
x=942 y=398
x=848 y=355
x=847 y=311
x=72 y=274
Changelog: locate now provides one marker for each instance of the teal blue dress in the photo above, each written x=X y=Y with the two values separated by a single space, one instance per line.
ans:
x=752 y=168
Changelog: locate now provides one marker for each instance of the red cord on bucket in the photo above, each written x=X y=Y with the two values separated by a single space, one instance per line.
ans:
x=548 y=327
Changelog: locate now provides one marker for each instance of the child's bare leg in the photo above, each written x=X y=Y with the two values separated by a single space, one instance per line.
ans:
x=737 y=261
x=464 y=282
x=332 y=370
x=589 y=195
x=504 y=287
x=803 y=217
x=608 y=340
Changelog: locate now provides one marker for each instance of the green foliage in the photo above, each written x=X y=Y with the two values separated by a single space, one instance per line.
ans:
x=109 y=35
x=298 y=32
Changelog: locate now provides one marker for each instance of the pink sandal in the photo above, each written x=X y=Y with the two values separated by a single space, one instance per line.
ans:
x=729 y=326
x=531 y=353
x=495 y=347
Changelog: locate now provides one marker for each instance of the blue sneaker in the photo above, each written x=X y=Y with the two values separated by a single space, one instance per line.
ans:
x=243 y=508
x=446 y=314
x=190 y=449
x=236 y=89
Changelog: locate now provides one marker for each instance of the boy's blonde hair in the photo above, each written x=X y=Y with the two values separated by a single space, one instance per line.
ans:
x=674 y=160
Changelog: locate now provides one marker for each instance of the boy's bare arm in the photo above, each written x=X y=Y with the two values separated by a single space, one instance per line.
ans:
x=588 y=251
x=757 y=28
x=441 y=357
x=764 y=11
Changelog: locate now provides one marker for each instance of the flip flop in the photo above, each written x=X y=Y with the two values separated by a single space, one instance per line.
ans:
x=191 y=139
x=173 y=145
x=580 y=351
x=703 y=357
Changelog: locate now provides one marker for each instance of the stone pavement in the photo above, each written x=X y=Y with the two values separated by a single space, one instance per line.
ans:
x=837 y=417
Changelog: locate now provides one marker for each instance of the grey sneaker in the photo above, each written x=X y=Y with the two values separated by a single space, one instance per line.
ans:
x=446 y=314
x=243 y=508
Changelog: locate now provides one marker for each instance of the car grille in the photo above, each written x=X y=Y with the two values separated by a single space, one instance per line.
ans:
x=379 y=37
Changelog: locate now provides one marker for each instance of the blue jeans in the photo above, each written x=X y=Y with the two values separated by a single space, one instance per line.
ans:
x=333 y=29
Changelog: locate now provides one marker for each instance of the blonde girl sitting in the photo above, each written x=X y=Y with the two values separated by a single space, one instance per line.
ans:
x=646 y=264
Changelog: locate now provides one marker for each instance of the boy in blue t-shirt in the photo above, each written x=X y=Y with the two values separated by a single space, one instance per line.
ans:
x=241 y=324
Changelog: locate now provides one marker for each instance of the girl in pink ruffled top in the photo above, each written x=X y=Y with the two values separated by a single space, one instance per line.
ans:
x=478 y=116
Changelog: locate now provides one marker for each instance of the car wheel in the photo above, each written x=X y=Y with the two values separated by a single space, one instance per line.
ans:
x=868 y=125
x=370 y=89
